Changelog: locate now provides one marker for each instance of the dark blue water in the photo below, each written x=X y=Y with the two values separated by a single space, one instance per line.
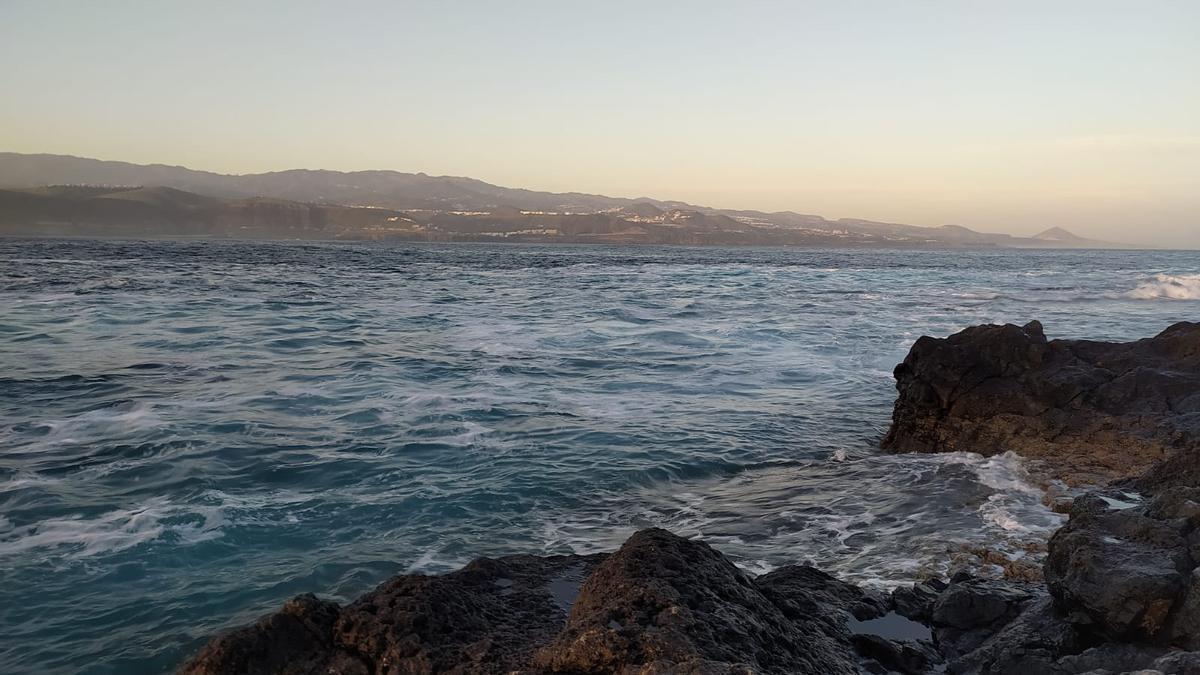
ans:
x=191 y=432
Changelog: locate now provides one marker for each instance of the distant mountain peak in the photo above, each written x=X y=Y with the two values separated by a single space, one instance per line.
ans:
x=643 y=209
x=1058 y=234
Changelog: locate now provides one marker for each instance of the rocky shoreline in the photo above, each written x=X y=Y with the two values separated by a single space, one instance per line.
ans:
x=1084 y=412
x=1122 y=577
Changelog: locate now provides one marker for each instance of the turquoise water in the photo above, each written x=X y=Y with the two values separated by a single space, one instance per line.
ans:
x=191 y=432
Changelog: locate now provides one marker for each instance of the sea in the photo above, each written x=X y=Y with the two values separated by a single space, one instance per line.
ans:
x=192 y=432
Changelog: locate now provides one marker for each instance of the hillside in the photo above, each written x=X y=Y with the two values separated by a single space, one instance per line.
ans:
x=383 y=189
x=57 y=195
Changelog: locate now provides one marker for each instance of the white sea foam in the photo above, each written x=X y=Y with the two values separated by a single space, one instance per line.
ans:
x=1003 y=473
x=1016 y=507
x=46 y=299
x=1131 y=500
x=113 y=531
x=102 y=423
x=471 y=433
x=432 y=562
x=1168 y=286
x=26 y=479
x=998 y=513
x=756 y=567
x=495 y=339
x=108 y=283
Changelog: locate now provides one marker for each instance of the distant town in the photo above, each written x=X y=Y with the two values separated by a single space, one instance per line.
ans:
x=64 y=196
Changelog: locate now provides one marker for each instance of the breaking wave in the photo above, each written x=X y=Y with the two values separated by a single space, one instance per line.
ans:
x=1169 y=286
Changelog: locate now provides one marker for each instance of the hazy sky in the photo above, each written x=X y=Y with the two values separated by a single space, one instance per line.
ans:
x=999 y=115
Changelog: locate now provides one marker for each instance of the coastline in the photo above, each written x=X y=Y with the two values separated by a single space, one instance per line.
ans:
x=1122 y=582
x=896 y=246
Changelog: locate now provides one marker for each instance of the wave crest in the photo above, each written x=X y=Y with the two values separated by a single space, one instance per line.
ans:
x=1173 y=287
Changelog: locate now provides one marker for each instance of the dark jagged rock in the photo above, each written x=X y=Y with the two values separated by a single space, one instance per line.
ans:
x=916 y=602
x=1031 y=643
x=1089 y=411
x=1122 y=573
x=660 y=604
x=801 y=590
x=488 y=617
x=1120 y=567
x=297 y=640
x=911 y=658
x=1126 y=569
x=978 y=602
x=663 y=604
x=1185 y=626
x=808 y=595
x=970 y=611
x=1178 y=663
x=1110 y=658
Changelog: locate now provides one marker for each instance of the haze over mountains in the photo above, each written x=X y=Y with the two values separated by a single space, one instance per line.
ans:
x=59 y=195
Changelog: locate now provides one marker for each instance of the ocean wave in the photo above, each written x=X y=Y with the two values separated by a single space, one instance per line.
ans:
x=1168 y=286
x=158 y=519
x=76 y=536
x=104 y=284
x=116 y=421
x=1003 y=473
x=1016 y=508
x=934 y=508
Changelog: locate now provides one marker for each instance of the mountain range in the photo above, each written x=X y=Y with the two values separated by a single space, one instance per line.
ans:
x=60 y=195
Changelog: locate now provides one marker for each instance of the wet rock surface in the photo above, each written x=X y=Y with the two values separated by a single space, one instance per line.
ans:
x=660 y=604
x=1086 y=411
x=297 y=640
x=970 y=610
x=1121 y=566
x=664 y=604
x=488 y=617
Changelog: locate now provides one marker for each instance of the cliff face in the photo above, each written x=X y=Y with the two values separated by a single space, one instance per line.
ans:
x=1084 y=411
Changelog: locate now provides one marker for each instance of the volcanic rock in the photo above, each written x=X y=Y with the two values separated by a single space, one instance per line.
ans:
x=664 y=604
x=970 y=611
x=660 y=604
x=1085 y=411
x=1124 y=568
x=1033 y=642
x=488 y=617
x=297 y=640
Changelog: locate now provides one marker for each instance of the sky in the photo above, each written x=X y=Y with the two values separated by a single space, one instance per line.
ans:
x=1006 y=116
